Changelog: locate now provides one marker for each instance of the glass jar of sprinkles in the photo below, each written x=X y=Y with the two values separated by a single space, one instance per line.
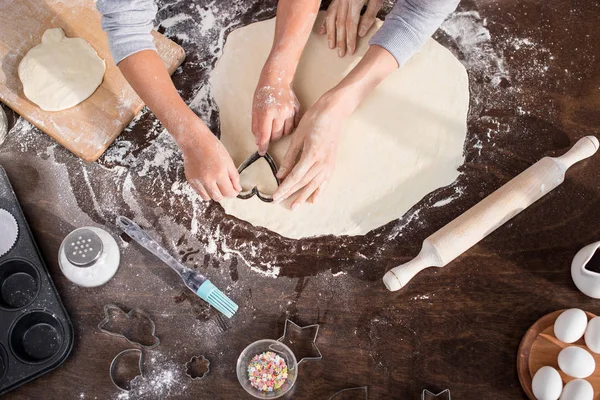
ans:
x=267 y=369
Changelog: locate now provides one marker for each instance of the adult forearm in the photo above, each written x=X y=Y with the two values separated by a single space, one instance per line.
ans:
x=295 y=19
x=147 y=75
x=376 y=65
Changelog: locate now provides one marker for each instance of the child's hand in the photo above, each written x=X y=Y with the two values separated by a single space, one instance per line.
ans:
x=344 y=24
x=209 y=167
x=275 y=109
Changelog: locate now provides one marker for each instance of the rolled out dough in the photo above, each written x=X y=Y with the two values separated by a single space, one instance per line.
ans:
x=60 y=72
x=259 y=175
x=404 y=141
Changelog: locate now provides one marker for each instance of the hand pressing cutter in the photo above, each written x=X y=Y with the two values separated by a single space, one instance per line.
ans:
x=267 y=198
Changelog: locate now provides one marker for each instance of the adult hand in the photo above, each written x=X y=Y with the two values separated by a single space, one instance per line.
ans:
x=317 y=140
x=209 y=168
x=275 y=109
x=344 y=23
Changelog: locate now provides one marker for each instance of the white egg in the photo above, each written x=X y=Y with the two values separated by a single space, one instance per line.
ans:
x=576 y=362
x=578 y=389
x=592 y=335
x=547 y=384
x=570 y=325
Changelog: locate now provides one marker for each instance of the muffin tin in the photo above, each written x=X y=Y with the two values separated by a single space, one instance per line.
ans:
x=36 y=334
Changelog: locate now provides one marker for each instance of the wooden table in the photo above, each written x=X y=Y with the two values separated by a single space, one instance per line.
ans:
x=456 y=328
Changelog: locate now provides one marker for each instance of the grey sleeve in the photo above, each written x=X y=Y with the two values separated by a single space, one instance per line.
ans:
x=127 y=24
x=410 y=23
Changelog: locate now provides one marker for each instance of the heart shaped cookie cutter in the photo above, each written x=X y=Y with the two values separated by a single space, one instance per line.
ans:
x=254 y=191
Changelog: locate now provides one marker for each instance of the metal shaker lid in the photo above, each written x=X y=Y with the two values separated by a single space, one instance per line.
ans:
x=82 y=247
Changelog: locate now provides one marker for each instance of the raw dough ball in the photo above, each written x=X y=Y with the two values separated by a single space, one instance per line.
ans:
x=570 y=325
x=404 y=141
x=60 y=72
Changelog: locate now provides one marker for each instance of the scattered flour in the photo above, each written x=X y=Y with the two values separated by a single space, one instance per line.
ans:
x=163 y=379
x=458 y=191
x=174 y=20
x=145 y=174
x=422 y=297
x=267 y=270
x=468 y=30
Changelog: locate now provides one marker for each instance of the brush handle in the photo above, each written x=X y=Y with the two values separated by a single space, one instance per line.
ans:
x=134 y=231
x=490 y=213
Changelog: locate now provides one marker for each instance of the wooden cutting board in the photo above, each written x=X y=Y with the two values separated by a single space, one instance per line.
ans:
x=90 y=127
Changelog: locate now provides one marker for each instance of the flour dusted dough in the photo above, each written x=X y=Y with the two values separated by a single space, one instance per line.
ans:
x=259 y=175
x=60 y=72
x=404 y=141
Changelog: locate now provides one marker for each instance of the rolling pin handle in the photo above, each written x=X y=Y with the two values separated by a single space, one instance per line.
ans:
x=469 y=228
x=584 y=148
x=397 y=277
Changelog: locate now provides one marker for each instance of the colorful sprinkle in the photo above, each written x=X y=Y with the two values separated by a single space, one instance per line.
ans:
x=267 y=371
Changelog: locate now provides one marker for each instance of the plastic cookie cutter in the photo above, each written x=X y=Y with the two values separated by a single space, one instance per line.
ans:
x=197 y=368
x=121 y=371
x=128 y=332
x=293 y=338
x=246 y=194
x=443 y=395
x=358 y=392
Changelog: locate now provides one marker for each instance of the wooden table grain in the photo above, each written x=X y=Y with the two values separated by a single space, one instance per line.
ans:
x=457 y=328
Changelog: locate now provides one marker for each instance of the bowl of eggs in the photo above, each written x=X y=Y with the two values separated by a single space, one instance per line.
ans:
x=558 y=357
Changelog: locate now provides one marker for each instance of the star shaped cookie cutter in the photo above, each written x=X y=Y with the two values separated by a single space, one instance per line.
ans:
x=289 y=324
x=254 y=191
x=443 y=395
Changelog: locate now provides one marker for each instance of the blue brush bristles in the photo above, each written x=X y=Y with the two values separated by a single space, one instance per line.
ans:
x=217 y=299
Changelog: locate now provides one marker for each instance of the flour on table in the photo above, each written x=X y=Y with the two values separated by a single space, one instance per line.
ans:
x=404 y=141
x=60 y=72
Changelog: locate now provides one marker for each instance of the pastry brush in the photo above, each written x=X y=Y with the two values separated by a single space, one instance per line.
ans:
x=194 y=280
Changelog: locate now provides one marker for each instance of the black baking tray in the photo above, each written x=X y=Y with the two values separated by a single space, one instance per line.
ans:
x=36 y=334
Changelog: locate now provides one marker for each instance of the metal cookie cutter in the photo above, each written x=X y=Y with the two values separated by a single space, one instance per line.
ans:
x=443 y=395
x=130 y=315
x=115 y=364
x=267 y=198
x=197 y=368
x=357 y=390
x=289 y=324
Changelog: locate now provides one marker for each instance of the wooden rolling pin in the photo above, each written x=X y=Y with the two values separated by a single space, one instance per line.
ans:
x=490 y=213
